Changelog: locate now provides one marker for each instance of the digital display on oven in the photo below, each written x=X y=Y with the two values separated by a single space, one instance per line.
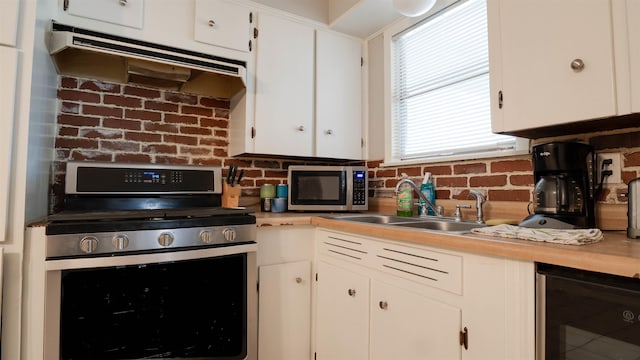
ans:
x=150 y=177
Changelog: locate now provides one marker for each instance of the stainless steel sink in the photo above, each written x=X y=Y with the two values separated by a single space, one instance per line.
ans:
x=373 y=219
x=429 y=223
x=443 y=225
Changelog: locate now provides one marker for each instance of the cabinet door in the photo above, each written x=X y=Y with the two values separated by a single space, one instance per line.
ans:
x=284 y=317
x=633 y=14
x=405 y=325
x=338 y=96
x=551 y=60
x=284 y=87
x=9 y=66
x=121 y=12
x=8 y=22
x=342 y=325
x=222 y=23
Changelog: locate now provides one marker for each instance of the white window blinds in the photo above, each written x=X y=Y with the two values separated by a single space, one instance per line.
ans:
x=441 y=87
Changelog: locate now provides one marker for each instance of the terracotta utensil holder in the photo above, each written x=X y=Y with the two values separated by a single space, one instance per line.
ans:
x=230 y=195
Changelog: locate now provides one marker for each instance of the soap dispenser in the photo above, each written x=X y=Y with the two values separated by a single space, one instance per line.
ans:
x=404 y=198
x=429 y=191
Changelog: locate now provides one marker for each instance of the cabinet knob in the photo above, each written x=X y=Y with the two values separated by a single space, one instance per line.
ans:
x=383 y=305
x=298 y=280
x=577 y=65
x=123 y=2
x=329 y=132
x=301 y=128
x=351 y=292
x=212 y=23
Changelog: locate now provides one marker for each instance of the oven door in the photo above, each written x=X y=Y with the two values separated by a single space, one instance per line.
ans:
x=195 y=304
x=586 y=315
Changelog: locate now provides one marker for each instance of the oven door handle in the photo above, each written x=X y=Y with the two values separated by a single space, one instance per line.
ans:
x=140 y=259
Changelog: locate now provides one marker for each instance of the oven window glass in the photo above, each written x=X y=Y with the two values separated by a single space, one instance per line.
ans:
x=586 y=320
x=319 y=187
x=187 y=309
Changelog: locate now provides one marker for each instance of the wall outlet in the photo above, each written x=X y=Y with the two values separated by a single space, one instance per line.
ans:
x=615 y=167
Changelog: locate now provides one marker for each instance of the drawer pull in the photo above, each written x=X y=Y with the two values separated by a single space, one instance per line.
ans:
x=351 y=292
x=383 y=305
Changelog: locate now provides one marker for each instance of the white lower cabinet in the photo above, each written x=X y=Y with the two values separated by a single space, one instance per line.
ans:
x=284 y=259
x=285 y=310
x=406 y=325
x=342 y=324
x=379 y=299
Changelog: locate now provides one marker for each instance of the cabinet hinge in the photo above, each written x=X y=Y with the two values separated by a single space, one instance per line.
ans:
x=250 y=18
x=500 y=99
x=65 y=5
x=253 y=132
x=361 y=61
x=258 y=286
x=362 y=142
x=255 y=33
x=250 y=46
x=464 y=338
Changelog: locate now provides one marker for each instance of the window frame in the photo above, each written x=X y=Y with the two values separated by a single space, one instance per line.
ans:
x=522 y=144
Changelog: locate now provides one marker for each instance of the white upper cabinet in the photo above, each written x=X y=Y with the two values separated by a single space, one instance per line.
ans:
x=223 y=23
x=120 y=12
x=338 y=96
x=552 y=62
x=633 y=15
x=8 y=22
x=284 y=87
x=307 y=90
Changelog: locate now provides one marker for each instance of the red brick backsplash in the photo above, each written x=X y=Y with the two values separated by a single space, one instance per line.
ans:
x=103 y=121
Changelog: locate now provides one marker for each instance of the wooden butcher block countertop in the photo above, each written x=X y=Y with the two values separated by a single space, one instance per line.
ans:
x=616 y=254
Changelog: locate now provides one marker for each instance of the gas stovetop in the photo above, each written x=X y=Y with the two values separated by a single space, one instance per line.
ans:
x=120 y=208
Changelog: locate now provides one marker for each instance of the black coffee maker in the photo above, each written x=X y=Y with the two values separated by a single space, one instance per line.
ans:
x=564 y=186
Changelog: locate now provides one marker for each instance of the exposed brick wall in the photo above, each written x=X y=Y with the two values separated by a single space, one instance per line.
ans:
x=509 y=179
x=105 y=121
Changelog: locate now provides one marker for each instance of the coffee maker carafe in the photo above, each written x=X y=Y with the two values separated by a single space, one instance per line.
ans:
x=563 y=196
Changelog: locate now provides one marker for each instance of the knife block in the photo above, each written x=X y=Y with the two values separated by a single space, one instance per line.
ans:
x=230 y=195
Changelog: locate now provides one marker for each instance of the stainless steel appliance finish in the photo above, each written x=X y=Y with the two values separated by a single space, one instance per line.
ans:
x=328 y=188
x=633 y=213
x=586 y=315
x=144 y=263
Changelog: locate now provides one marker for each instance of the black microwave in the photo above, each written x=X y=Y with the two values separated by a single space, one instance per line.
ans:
x=328 y=188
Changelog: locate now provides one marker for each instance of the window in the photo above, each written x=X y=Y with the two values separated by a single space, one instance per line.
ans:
x=440 y=88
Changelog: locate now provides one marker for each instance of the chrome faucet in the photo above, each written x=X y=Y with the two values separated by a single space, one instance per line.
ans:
x=438 y=210
x=479 y=202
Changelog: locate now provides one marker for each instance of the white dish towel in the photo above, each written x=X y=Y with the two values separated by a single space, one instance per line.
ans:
x=557 y=236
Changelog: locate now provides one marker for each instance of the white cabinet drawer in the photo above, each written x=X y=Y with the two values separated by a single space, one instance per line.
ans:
x=221 y=23
x=344 y=247
x=120 y=12
x=431 y=268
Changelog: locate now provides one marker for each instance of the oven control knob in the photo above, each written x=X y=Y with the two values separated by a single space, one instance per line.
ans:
x=229 y=234
x=165 y=239
x=88 y=244
x=206 y=236
x=120 y=242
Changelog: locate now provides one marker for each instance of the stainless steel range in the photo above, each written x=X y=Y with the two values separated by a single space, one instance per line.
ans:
x=144 y=263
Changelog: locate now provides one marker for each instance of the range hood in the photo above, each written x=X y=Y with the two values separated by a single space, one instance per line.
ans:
x=86 y=53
